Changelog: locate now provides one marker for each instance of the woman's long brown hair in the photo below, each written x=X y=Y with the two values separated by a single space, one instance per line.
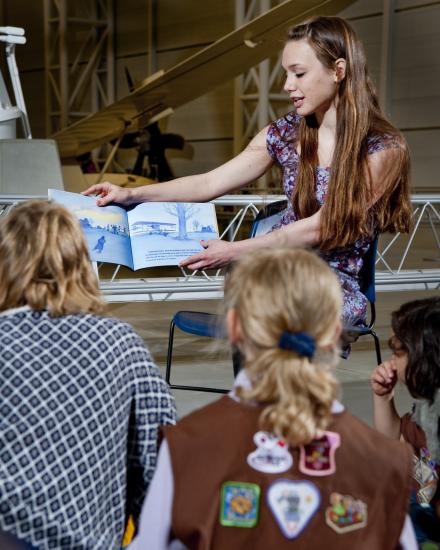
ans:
x=345 y=213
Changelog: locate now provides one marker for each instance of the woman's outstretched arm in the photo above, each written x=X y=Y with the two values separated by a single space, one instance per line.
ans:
x=246 y=167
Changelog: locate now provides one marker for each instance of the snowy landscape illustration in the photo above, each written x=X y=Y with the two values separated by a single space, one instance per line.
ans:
x=150 y=234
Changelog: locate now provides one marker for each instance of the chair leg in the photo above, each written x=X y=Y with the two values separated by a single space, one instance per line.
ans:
x=168 y=369
x=170 y=352
x=198 y=388
x=377 y=346
x=237 y=361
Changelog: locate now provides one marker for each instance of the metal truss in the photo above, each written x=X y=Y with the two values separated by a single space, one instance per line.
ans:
x=79 y=59
x=401 y=250
x=257 y=92
x=390 y=275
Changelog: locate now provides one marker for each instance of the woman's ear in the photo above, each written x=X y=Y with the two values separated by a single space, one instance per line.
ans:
x=340 y=69
x=233 y=327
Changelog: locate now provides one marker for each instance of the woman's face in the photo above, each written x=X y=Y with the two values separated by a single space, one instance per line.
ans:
x=310 y=85
x=399 y=357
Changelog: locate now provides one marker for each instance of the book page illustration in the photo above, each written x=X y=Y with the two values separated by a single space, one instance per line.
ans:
x=105 y=228
x=166 y=233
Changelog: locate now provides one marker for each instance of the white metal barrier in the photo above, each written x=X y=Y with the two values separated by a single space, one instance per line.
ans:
x=390 y=272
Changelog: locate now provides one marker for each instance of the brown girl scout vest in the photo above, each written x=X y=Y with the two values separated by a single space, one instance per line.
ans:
x=351 y=496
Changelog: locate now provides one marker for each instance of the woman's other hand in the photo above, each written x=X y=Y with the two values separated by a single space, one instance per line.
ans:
x=216 y=254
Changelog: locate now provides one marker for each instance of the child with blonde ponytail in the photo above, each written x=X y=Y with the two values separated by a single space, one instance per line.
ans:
x=279 y=462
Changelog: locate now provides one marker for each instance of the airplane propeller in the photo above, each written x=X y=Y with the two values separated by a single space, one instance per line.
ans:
x=151 y=143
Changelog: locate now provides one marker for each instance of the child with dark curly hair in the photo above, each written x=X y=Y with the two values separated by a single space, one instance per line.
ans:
x=415 y=362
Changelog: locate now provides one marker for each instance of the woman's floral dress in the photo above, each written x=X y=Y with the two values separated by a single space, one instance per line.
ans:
x=346 y=261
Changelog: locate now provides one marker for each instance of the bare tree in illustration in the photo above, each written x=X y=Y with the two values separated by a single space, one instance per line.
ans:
x=196 y=225
x=183 y=212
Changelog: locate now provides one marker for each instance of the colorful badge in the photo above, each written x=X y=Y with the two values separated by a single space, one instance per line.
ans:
x=293 y=503
x=345 y=513
x=318 y=457
x=425 y=473
x=239 y=504
x=272 y=454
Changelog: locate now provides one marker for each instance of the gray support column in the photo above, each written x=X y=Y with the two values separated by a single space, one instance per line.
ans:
x=152 y=37
x=386 y=58
x=63 y=63
x=257 y=90
x=238 y=86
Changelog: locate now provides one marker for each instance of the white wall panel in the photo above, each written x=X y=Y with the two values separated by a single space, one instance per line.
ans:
x=193 y=22
x=416 y=78
x=369 y=31
x=410 y=4
x=424 y=147
x=362 y=8
x=179 y=24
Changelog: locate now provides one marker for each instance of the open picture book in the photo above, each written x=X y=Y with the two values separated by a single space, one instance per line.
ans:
x=150 y=234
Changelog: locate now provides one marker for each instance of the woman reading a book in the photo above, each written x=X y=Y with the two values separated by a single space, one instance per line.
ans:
x=345 y=167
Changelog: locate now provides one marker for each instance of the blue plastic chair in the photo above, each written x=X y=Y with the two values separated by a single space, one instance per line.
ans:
x=368 y=289
x=212 y=325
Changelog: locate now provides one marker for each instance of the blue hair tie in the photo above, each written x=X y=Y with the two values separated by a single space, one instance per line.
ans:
x=303 y=343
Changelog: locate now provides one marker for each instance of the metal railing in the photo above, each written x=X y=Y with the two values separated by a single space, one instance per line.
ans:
x=399 y=264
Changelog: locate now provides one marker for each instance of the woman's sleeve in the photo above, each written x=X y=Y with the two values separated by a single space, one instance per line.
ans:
x=272 y=141
x=155 y=523
x=407 y=537
x=152 y=406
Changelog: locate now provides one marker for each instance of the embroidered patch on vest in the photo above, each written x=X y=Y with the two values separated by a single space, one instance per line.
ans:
x=425 y=473
x=293 y=503
x=318 y=457
x=239 y=504
x=271 y=456
x=345 y=513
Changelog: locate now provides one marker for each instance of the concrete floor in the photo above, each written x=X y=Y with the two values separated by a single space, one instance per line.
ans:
x=353 y=375
x=202 y=361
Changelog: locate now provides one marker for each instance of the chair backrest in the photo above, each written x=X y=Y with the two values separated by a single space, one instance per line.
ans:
x=367 y=272
x=267 y=217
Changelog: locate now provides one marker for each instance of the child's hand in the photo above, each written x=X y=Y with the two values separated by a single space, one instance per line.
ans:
x=384 y=378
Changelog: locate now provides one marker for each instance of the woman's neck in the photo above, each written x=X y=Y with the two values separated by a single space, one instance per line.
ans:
x=326 y=136
x=326 y=119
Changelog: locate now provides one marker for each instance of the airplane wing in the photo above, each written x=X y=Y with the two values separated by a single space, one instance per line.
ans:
x=159 y=94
